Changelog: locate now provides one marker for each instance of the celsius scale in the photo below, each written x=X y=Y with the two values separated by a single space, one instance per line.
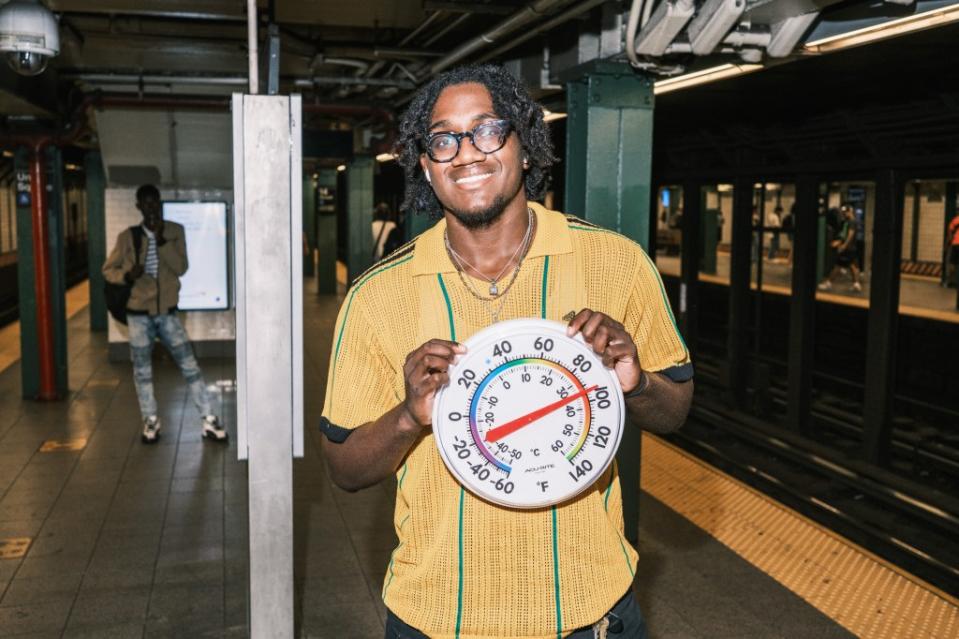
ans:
x=530 y=417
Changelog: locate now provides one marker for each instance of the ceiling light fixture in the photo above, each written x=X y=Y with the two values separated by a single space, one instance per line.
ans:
x=385 y=157
x=552 y=116
x=892 y=28
x=705 y=76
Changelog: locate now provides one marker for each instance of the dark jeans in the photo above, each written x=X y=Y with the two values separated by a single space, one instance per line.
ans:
x=625 y=622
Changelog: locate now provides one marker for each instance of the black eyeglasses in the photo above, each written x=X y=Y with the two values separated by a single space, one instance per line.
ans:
x=488 y=137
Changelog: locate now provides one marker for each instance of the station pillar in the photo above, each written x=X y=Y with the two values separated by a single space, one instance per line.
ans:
x=309 y=224
x=609 y=148
x=326 y=232
x=96 y=237
x=416 y=223
x=41 y=274
x=359 y=203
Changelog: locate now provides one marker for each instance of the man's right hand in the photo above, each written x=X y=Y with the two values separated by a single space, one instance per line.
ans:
x=425 y=373
x=134 y=273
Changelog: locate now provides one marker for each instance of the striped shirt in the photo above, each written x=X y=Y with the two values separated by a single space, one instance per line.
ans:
x=465 y=568
x=151 y=265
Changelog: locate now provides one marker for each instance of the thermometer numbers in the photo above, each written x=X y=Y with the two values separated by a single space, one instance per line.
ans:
x=531 y=417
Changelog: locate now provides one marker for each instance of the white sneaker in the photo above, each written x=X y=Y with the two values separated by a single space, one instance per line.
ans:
x=151 y=430
x=213 y=430
x=825 y=286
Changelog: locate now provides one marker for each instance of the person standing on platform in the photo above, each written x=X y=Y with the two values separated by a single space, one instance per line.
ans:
x=154 y=275
x=476 y=153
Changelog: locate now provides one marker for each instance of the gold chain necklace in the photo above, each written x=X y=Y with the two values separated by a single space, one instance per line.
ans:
x=461 y=261
x=496 y=296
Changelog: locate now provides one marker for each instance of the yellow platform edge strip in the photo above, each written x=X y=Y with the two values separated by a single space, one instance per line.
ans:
x=862 y=592
x=77 y=299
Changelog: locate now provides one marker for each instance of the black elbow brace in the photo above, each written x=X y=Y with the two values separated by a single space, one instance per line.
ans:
x=334 y=433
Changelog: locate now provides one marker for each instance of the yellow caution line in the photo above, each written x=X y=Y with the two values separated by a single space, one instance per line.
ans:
x=862 y=592
x=77 y=299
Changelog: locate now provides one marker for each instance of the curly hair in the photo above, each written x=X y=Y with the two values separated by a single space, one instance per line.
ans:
x=511 y=101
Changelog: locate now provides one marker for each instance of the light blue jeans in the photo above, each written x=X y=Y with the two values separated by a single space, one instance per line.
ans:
x=144 y=329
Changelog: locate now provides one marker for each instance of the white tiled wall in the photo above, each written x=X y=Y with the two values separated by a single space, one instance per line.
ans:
x=932 y=216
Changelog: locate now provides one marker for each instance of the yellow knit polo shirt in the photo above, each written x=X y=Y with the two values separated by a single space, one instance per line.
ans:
x=465 y=568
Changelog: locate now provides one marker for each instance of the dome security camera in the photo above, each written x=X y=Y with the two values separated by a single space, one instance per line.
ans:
x=28 y=36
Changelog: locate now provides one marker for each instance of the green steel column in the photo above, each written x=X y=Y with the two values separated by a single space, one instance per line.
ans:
x=359 y=185
x=710 y=241
x=609 y=147
x=309 y=224
x=416 y=223
x=326 y=232
x=26 y=296
x=96 y=237
x=56 y=241
x=29 y=340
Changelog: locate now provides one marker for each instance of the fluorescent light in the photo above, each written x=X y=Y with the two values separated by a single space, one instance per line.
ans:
x=892 y=28
x=705 y=76
x=712 y=23
x=786 y=34
x=385 y=157
x=664 y=25
x=552 y=116
x=341 y=167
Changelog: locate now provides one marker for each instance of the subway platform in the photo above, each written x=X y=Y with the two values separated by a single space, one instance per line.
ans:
x=102 y=536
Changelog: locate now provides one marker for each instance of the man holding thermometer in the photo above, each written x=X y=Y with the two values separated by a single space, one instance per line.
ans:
x=477 y=155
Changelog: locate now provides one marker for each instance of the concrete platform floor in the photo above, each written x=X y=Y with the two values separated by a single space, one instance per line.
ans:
x=129 y=540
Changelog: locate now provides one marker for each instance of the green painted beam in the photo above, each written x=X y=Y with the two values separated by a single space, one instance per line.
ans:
x=309 y=224
x=609 y=148
x=56 y=240
x=326 y=232
x=26 y=293
x=96 y=237
x=359 y=203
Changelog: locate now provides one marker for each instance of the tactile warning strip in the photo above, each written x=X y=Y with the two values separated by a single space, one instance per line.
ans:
x=861 y=592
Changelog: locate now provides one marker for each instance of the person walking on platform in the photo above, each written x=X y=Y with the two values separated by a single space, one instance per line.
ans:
x=154 y=276
x=846 y=255
x=476 y=153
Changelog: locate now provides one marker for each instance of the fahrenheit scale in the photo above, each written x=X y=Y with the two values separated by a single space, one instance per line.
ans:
x=530 y=417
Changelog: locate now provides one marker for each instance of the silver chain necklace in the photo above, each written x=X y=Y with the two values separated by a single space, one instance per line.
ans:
x=493 y=288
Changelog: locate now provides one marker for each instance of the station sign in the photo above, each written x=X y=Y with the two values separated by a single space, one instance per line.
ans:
x=23 y=187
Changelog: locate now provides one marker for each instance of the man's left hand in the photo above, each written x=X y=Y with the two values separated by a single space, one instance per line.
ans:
x=612 y=343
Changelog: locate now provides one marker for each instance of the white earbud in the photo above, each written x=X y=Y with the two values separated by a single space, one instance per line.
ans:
x=428 y=178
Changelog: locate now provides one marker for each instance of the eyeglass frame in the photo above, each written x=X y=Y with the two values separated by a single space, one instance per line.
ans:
x=463 y=134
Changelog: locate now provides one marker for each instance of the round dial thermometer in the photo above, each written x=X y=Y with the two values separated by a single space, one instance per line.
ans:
x=530 y=417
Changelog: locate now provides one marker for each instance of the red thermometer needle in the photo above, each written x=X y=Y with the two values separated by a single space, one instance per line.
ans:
x=498 y=433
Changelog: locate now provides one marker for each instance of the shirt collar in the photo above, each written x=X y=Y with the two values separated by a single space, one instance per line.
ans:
x=552 y=238
x=148 y=232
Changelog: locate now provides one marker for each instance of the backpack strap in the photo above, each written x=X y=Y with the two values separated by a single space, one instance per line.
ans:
x=137 y=233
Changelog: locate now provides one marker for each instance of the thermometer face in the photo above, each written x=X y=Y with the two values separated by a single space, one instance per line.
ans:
x=530 y=417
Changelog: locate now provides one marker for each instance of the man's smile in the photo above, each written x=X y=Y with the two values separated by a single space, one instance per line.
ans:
x=474 y=178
